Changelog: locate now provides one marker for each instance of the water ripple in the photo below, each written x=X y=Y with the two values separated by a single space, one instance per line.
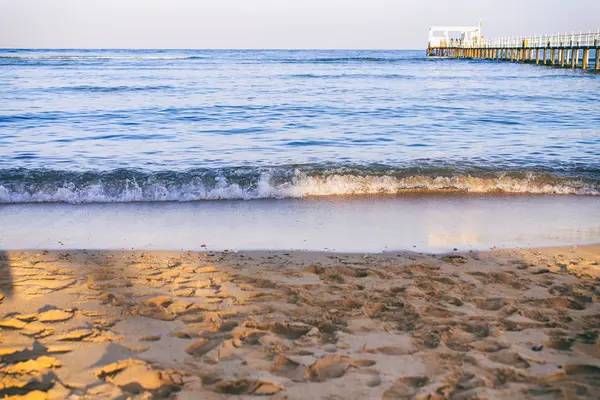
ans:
x=174 y=110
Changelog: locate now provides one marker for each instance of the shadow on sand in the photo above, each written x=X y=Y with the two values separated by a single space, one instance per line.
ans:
x=6 y=280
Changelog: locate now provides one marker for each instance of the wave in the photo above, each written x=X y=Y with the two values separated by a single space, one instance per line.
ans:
x=108 y=89
x=97 y=57
x=126 y=185
x=338 y=60
x=69 y=58
x=349 y=76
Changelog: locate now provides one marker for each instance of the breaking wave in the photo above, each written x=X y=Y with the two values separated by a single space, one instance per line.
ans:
x=125 y=185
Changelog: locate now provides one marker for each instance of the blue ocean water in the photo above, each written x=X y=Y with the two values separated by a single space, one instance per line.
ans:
x=155 y=125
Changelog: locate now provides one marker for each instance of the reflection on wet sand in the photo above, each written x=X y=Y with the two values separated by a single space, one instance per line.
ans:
x=443 y=240
x=370 y=224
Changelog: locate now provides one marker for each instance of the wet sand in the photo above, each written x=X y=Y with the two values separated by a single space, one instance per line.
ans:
x=427 y=223
x=502 y=324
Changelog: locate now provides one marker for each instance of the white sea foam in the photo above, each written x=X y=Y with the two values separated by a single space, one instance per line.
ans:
x=299 y=185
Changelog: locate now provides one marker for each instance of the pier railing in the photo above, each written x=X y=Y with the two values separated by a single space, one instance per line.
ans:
x=557 y=40
x=557 y=49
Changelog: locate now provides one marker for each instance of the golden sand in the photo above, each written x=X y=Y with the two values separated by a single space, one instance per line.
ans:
x=110 y=325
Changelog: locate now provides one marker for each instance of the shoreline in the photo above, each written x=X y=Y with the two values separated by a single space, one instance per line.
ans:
x=219 y=253
x=370 y=224
x=288 y=324
x=407 y=193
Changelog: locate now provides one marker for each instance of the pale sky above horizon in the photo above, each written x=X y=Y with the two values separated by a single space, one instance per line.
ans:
x=281 y=24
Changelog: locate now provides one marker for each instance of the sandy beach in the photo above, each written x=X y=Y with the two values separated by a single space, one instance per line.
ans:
x=502 y=324
x=299 y=200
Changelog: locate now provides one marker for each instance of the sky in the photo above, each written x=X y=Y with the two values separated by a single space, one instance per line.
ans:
x=279 y=24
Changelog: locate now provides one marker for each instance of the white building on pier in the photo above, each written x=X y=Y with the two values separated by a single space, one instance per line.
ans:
x=450 y=36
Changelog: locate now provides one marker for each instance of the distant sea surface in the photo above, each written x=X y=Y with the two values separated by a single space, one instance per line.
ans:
x=82 y=126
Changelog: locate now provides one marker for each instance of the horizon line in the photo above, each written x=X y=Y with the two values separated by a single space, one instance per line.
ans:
x=213 y=49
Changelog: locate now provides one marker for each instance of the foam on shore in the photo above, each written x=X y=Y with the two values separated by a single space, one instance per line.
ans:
x=248 y=183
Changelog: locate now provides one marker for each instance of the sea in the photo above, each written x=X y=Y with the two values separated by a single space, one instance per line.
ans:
x=94 y=127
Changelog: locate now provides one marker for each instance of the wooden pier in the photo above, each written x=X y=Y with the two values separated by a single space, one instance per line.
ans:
x=564 y=50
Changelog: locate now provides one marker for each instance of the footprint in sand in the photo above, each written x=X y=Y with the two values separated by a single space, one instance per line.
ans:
x=293 y=331
x=329 y=367
x=202 y=346
x=489 y=304
x=405 y=388
x=135 y=376
x=508 y=357
x=56 y=315
x=246 y=386
x=560 y=344
x=560 y=302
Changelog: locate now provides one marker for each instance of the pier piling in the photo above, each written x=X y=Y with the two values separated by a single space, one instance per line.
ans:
x=562 y=50
x=596 y=48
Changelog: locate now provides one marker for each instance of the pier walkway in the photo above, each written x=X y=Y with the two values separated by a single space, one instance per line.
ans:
x=561 y=50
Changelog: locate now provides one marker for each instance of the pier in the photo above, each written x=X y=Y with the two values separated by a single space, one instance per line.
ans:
x=574 y=50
